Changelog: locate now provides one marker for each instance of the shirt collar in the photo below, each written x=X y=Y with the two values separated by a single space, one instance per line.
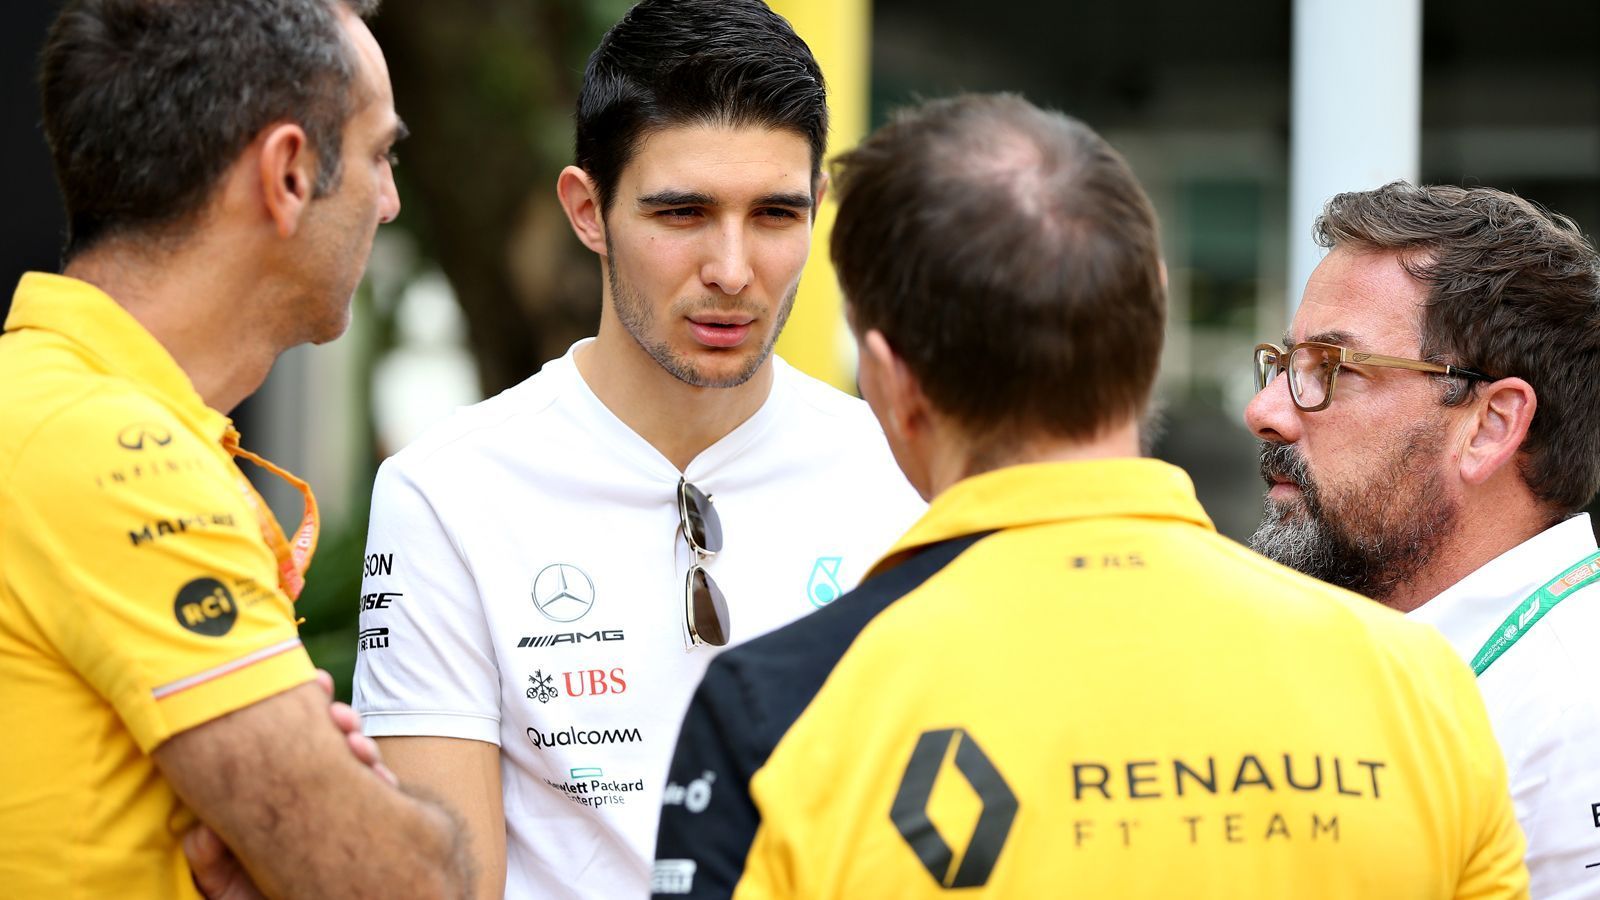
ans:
x=1469 y=611
x=115 y=341
x=1038 y=493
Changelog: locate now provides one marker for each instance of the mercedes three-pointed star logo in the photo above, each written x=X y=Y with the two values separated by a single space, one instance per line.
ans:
x=562 y=592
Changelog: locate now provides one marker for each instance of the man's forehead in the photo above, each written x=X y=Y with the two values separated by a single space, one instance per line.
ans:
x=1363 y=299
x=371 y=81
x=720 y=162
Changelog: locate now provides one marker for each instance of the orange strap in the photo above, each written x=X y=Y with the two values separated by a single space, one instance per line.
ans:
x=293 y=558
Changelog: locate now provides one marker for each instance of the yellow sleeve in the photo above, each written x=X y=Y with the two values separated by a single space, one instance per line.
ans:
x=143 y=566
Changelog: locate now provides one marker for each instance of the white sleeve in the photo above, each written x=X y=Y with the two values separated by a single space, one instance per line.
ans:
x=425 y=664
x=1556 y=789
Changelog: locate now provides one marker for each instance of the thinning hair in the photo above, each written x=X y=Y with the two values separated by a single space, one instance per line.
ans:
x=1010 y=257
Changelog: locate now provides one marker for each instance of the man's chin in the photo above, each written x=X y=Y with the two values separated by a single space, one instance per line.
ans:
x=332 y=329
x=717 y=369
x=1286 y=509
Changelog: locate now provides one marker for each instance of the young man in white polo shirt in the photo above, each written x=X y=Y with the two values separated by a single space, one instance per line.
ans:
x=1445 y=477
x=546 y=571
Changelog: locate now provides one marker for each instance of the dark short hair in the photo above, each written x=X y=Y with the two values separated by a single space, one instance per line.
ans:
x=682 y=62
x=147 y=102
x=1009 y=256
x=1512 y=290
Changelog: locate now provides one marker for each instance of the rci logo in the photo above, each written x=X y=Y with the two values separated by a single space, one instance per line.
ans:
x=910 y=810
x=204 y=606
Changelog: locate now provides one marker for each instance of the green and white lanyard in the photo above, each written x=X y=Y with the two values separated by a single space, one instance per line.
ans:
x=1533 y=609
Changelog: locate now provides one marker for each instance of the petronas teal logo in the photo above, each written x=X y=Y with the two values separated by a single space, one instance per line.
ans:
x=823 y=588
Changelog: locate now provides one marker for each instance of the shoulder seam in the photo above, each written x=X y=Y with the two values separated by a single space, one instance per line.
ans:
x=423 y=455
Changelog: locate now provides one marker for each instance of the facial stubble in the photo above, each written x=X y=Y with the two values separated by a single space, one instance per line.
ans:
x=637 y=317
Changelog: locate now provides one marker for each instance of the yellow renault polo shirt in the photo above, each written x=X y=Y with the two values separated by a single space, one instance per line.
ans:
x=138 y=598
x=1064 y=682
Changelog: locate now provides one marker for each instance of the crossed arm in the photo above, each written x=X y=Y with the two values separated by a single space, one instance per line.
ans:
x=468 y=774
x=306 y=818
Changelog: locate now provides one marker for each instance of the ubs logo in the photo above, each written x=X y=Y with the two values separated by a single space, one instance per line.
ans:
x=204 y=606
x=137 y=437
x=562 y=592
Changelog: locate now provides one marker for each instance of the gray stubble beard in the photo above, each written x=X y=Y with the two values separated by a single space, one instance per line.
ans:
x=1372 y=539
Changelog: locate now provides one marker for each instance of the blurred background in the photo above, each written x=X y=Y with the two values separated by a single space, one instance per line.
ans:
x=1232 y=114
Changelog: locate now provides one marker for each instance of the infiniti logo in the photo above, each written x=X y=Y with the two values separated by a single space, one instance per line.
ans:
x=137 y=437
x=562 y=592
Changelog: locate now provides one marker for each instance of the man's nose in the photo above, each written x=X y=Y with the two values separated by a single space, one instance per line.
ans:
x=389 y=199
x=727 y=263
x=1271 y=414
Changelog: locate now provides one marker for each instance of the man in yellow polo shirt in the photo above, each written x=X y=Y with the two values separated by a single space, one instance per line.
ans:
x=1062 y=681
x=224 y=168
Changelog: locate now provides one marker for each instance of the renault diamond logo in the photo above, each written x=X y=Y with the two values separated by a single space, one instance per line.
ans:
x=562 y=592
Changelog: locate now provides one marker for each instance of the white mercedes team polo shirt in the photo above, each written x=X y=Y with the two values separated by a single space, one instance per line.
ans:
x=524 y=586
x=1543 y=697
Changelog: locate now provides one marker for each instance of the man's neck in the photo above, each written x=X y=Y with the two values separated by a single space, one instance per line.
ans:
x=1484 y=531
x=201 y=312
x=678 y=419
x=955 y=457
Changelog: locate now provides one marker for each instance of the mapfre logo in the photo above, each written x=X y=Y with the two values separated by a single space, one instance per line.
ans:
x=157 y=529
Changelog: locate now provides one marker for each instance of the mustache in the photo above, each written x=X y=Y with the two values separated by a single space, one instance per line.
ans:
x=1282 y=462
x=693 y=306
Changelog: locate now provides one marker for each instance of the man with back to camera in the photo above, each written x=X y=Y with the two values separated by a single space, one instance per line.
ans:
x=222 y=193
x=538 y=606
x=1432 y=449
x=1062 y=679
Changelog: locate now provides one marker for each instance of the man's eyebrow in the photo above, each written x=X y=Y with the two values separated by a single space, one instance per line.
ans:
x=670 y=198
x=1341 y=338
x=794 y=200
x=677 y=198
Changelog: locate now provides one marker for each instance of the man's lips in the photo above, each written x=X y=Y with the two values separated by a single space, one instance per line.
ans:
x=717 y=330
x=1283 y=490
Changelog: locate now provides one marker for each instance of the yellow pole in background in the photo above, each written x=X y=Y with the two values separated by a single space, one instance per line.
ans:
x=816 y=340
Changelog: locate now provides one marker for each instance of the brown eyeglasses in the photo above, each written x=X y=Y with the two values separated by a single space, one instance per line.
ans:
x=705 y=611
x=1313 y=366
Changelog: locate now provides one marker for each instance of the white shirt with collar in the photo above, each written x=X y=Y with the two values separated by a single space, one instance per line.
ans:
x=525 y=587
x=1543 y=696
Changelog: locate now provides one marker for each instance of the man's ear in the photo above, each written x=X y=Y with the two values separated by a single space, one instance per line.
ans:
x=1502 y=414
x=288 y=172
x=819 y=195
x=905 y=408
x=580 y=198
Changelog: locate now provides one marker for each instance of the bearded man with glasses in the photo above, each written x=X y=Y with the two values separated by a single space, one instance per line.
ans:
x=549 y=572
x=1430 y=443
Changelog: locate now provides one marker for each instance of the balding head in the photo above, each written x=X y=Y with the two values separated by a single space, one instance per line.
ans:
x=1009 y=256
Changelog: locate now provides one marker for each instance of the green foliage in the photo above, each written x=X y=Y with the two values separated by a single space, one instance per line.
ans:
x=331 y=603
